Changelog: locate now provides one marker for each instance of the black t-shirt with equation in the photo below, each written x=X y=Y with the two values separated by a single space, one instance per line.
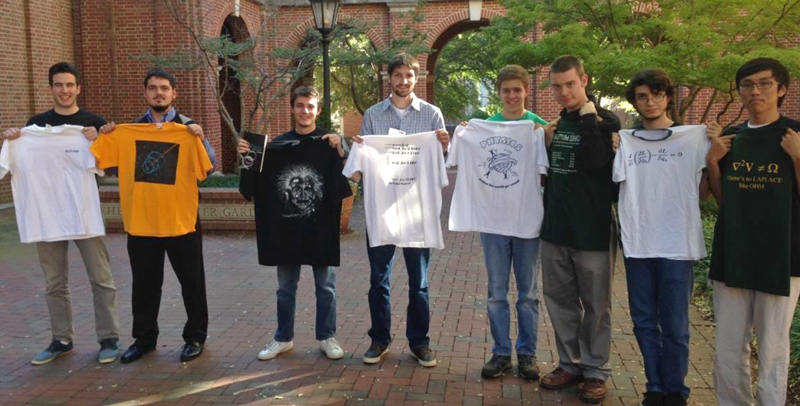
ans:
x=757 y=235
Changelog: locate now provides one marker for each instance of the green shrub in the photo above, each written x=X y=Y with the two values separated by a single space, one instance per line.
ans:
x=702 y=288
x=221 y=181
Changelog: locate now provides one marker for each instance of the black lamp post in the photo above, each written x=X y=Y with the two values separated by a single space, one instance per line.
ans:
x=325 y=13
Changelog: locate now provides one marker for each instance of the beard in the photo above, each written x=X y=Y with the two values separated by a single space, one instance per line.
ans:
x=160 y=109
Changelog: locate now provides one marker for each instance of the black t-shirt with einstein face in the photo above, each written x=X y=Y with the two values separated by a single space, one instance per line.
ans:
x=298 y=203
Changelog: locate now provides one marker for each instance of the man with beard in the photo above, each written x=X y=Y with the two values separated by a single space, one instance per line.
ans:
x=185 y=251
x=65 y=87
x=301 y=189
x=405 y=112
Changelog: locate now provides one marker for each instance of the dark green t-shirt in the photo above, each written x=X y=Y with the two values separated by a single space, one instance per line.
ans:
x=527 y=116
x=579 y=190
x=753 y=241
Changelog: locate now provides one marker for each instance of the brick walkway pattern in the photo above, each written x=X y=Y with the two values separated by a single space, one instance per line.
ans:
x=242 y=308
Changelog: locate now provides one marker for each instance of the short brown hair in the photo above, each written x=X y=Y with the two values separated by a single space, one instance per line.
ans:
x=305 y=91
x=565 y=63
x=403 y=59
x=512 y=72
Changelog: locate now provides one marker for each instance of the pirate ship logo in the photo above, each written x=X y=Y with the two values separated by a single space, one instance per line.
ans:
x=498 y=169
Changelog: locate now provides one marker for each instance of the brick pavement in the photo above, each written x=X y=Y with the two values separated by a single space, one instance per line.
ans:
x=242 y=320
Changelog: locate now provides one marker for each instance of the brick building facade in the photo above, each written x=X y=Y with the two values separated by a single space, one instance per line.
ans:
x=103 y=38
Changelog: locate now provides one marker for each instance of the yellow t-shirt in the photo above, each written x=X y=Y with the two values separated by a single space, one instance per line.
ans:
x=159 y=166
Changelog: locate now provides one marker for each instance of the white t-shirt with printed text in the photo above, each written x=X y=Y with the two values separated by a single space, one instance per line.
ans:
x=53 y=183
x=402 y=177
x=498 y=189
x=659 y=172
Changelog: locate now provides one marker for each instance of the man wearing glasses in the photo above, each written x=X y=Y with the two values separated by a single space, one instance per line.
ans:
x=754 y=173
x=661 y=229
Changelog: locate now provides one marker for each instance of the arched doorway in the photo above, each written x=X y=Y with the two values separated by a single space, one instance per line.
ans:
x=235 y=29
x=438 y=45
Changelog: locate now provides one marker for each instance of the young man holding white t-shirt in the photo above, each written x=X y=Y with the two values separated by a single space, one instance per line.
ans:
x=405 y=112
x=65 y=86
x=500 y=251
x=661 y=230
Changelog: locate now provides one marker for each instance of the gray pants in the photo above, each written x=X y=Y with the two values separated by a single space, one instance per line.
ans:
x=53 y=259
x=577 y=291
x=737 y=313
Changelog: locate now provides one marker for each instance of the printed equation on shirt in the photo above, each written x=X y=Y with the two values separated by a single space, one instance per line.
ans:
x=497 y=170
x=562 y=159
x=403 y=157
x=156 y=162
x=646 y=156
x=752 y=176
x=300 y=190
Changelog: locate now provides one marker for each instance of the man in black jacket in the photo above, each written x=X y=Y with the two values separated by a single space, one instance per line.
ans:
x=578 y=251
x=185 y=252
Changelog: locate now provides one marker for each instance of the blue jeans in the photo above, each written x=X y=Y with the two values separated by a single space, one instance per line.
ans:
x=659 y=291
x=325 y=284
x=499 y=252
x=418 y=316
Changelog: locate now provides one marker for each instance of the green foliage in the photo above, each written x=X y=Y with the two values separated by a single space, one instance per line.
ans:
x=702 y=287
x=468 y=61
x=699 y=43
x=356 y=81
x=224 y=181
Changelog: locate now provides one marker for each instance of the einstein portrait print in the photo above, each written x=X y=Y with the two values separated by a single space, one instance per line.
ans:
x=156 y=162
x=300 y=190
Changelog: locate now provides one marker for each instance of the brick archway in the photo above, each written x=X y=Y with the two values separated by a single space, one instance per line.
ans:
x=441 y=41
x=298 y=35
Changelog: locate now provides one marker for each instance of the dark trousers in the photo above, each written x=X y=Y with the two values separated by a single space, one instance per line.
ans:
x=147 y=264
x=418 y=316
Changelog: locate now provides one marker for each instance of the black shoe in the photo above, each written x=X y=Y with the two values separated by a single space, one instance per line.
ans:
x=375 y=353
x=191 y=351
x=134 y=352
x=527 y=368
x=674 y=399
x=496 y=366
x=425 y=356
x=652 y=399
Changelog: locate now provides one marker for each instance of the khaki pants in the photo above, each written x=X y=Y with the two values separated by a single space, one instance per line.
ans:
x=577 y=291
x=53 y=259
x=738 y=312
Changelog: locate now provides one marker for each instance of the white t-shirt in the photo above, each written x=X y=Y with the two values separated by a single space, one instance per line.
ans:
x=498 y=188
x=53 y=183
x=659 y=199
x=403 y=177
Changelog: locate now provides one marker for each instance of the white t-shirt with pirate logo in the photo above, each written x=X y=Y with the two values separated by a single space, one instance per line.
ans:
x=403 y=177
x=498 y=188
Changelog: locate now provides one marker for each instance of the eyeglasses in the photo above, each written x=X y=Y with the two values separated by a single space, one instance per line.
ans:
x=656 y=98
x=748 y=86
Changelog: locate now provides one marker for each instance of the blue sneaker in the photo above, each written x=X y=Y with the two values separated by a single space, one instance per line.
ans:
x=55 y=350
x=109 y=350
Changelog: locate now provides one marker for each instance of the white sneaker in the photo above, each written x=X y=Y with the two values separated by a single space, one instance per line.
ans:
x=331 y=348
x=273 y=349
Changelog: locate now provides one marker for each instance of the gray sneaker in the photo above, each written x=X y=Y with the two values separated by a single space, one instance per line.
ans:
x=55 y=350
x=109 y=350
